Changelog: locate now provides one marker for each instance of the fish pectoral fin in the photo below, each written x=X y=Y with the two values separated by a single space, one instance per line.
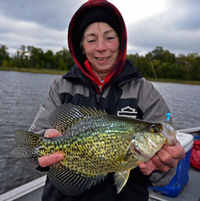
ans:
x=120 y=179
x=70 y=182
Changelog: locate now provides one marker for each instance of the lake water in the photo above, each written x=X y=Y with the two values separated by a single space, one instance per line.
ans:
x=21 y=95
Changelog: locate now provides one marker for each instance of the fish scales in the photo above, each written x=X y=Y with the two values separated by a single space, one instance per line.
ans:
x=96 y=139
x=94 y=144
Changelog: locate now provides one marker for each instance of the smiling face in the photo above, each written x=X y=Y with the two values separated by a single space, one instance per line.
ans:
x=101 y=46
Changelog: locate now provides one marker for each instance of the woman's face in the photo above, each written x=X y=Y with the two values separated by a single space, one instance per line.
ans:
x=101 y=46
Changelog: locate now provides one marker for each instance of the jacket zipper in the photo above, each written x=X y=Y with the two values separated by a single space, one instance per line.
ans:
x=99 y=88
x=98 y=96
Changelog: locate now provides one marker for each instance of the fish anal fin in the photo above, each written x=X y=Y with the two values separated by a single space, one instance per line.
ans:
x=70 y=182
x=120 y=179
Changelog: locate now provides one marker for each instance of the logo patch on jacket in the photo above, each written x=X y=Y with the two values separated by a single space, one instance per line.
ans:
x=127 y=112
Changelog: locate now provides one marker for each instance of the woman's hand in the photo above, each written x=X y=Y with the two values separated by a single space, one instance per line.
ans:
x=165 y=159
x=45 y=161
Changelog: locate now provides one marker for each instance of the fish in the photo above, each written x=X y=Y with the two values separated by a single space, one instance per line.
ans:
x=94 y=144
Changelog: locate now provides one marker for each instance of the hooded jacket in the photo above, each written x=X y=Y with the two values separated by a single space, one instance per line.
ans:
x=125 y=93
x=75 y=35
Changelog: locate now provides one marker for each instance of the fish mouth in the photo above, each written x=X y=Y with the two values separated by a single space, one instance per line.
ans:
x=170 y=133
x=141 y=153
x=135 y=149
x=146 y=153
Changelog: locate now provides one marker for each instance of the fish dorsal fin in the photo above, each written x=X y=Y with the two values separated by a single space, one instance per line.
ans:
x=70 y=182
x=64 y=116
x=120 y=179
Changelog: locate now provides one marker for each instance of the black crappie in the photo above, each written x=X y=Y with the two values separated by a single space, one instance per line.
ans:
x=94 y=144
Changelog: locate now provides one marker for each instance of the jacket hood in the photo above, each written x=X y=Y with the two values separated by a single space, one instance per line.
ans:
x=74 y=39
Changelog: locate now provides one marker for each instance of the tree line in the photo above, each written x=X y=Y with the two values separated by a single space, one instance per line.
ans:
x=32 y=57
x=165 y=64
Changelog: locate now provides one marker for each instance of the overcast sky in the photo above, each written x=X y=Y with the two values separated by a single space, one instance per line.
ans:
x=172 y=24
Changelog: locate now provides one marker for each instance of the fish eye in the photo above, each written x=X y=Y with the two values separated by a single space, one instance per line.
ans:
x=153 y=129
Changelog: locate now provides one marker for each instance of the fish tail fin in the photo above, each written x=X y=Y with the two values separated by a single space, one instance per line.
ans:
x=26 y=143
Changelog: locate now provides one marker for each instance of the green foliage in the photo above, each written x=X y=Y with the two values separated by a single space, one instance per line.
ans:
x=5 y=63
x=4 y=55
x=165 y=64
x=38 y=67
x=158 y=53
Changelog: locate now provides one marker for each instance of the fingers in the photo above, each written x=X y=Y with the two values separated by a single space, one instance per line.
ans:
x=163 y=166
x=176 y=151
x=153 y=164
x=165 y=159
x=50 y=133
x=45 y=161
x=148 y=167
x=168 y=157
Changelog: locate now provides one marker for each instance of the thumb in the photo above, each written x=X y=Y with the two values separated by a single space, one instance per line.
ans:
x=51 y=133
x=45 y=161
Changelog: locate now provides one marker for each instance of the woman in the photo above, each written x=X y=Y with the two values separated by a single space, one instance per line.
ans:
x=104 y=79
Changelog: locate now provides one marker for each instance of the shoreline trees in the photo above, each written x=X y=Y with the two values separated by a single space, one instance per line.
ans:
x=165 y=64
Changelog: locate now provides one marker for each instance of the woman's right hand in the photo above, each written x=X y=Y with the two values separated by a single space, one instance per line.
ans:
x=45 y=161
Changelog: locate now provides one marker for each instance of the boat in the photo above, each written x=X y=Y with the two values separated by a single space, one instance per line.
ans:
x=32 y=191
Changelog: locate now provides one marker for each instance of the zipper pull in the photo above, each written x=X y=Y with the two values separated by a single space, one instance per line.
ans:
x=98 y=97
x=100 y=87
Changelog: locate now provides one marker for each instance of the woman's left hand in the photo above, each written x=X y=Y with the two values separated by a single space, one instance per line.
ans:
x=166 y=158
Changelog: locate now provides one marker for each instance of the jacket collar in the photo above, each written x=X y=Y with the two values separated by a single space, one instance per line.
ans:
x=128 y=74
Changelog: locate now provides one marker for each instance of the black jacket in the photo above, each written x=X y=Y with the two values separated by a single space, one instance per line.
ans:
x=129 y=94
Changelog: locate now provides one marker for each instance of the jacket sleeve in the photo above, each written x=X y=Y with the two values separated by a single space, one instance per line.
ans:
x=154 y=110
x=41 y=121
